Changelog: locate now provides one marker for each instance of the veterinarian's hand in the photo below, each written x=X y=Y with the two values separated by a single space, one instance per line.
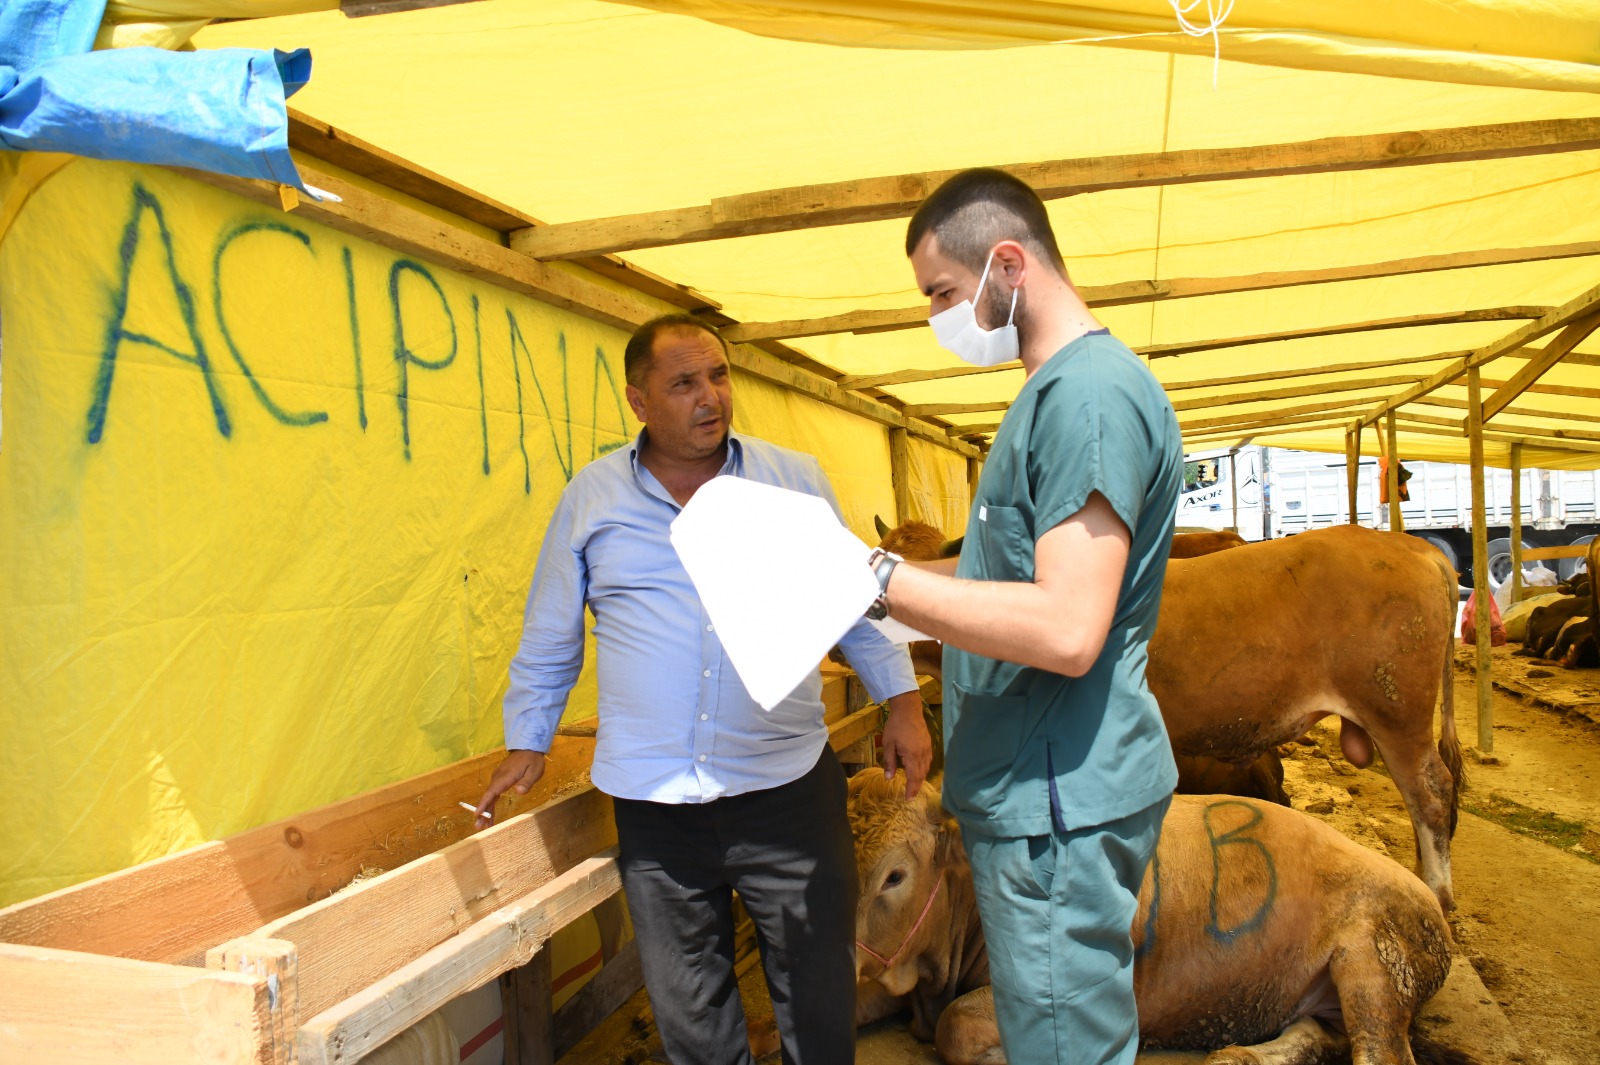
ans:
x=519 y=771
x=906 y=743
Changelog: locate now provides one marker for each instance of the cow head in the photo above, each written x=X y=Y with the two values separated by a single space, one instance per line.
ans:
x=916 y=540
x=905 y=848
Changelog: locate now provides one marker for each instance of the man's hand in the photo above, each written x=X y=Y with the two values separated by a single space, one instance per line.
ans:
x=906 y=743
x=519 y=771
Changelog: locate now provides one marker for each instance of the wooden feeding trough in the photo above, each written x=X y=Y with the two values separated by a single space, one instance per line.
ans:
x=276 y=945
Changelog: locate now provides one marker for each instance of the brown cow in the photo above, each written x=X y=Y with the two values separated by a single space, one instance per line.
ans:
x=1255 y=645
x=1193 y=545
x=1260 y=930
x=1258 y=777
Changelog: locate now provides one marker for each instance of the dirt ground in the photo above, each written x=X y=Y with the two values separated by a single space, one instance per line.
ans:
x=1526 y=985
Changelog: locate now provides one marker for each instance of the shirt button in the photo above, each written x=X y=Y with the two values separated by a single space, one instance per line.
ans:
x=705 y=673
x=704 y=716
x=711 y=628
x=702 y=757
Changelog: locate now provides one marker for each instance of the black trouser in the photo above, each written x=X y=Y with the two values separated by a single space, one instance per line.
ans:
x=788 y=852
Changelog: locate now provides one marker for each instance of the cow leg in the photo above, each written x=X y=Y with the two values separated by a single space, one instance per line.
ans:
x=968 y=1032
x=1426 y=786
x=1377 y=1018
x=1305 y=1042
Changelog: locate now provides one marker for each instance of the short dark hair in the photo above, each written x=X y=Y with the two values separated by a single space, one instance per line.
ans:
x=977 y=209
x=637 y=356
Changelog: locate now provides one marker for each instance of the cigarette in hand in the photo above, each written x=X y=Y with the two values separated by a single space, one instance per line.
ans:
x=487 y=814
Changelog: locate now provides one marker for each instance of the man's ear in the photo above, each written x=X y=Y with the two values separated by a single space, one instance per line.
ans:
x=1011 y=262
x=635 y=401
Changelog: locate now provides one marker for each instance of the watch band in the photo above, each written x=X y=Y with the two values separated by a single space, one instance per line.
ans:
x=882 y=564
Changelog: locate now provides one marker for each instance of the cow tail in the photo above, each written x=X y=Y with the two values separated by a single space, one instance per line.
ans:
x=1449 y=743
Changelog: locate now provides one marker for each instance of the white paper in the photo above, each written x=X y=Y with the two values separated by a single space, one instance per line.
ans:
x=898 y=631
x=780 y=577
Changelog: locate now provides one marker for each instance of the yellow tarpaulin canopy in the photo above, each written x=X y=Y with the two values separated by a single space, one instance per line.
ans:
x=271 y=491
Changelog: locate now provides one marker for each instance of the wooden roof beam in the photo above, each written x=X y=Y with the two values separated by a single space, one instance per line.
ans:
x=1285 y=416
x=1124 y=293
x=1573 y=310
x=1536 y=367
x=1291 y=392
x=876 y=198
x=1239 y=439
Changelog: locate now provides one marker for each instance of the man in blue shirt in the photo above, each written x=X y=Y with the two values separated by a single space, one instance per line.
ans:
x=1057 y=763
x=712 y=794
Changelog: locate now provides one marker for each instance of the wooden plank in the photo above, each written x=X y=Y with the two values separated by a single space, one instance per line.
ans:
x=1291 y=392
x=1553 y=434
x=1124 y=293
x=1488 y=314
x=900 y=474
x=922 y=410
x=501 y=940
x=855 y=728
x=897 y=196
x=371 y=929
x=314 y=137
x=70 y=1008
x=1516 y=520
x=940 y=434
x=1283 y=416
x=1579 y=307
x=1397 y=521
x=1480 y=562
x=975 y=429
x=974 y=471
x=276 y=962
x=1240 y=437
x=532 y=987
x=1540 y=554
x=1553 y=353
x=616 y=982
x=1352 y=471
x=173 y=908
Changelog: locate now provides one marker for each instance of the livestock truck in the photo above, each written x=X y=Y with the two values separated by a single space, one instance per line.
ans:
x=1265 y=492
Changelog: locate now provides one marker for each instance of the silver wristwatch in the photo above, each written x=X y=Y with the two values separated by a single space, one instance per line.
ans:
x=882 y=563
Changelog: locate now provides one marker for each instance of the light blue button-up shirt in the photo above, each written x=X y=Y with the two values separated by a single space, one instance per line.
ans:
x=676 y=723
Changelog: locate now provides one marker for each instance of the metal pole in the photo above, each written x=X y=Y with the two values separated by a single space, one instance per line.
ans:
x=1516 y=523
x=1352 y=468
x=1397 y=521
x=1480 y=564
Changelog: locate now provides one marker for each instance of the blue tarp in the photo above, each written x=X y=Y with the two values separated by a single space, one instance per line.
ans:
x=221 y=110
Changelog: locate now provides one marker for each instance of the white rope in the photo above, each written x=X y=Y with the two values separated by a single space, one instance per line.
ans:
x=1217 y=12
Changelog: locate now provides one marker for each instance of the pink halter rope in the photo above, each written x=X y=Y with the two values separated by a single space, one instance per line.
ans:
x=887 y=965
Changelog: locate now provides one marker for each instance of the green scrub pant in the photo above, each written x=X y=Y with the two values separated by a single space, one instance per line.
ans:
x=1057 y=915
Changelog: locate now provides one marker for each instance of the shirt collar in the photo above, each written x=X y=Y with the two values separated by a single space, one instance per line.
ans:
x=734 y=465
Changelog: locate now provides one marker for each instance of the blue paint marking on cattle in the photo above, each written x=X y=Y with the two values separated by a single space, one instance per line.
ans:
x=483 y=406
x=100 y=392
x=404 y=356
x=1235 y=837
x=1149 y=942
x=355 y=338
x=287 y=417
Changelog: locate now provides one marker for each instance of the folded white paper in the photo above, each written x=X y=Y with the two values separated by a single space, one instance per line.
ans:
x=780 y=577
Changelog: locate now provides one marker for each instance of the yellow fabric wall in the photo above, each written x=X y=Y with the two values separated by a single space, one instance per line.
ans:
x=269 y=511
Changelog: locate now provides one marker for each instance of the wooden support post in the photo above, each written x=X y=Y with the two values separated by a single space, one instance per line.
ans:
x=1352 y=469
x=900 y=474
x=1516 y=523
x=1233 y=485
x=974 y=468
x=1397 y=521
x=276 y=961
x=1480 y=563
x=529 y=1034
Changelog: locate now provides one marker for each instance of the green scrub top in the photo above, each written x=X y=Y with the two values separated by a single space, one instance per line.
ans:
x=1027 y=749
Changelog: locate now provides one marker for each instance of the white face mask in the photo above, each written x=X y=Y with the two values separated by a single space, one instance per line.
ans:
x=958 y=331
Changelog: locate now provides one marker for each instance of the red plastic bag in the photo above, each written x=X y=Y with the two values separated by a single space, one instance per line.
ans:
x=1469 y=622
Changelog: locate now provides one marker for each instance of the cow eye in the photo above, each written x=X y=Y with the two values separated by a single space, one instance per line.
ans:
x=893 y=879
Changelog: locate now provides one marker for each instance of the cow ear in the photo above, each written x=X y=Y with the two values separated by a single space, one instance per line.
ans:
x=947 y=849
